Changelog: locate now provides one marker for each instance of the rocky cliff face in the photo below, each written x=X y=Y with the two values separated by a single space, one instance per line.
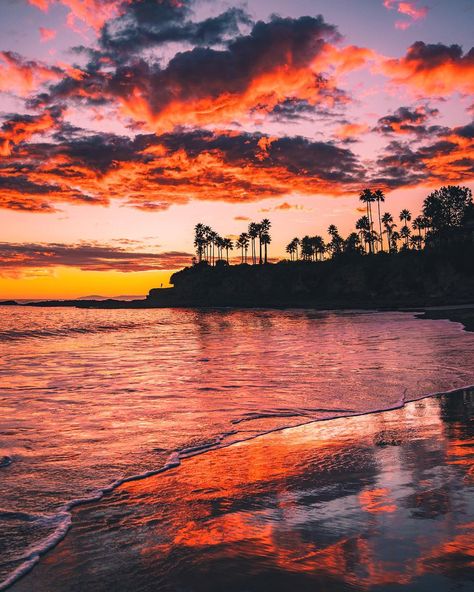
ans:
x=404 y=279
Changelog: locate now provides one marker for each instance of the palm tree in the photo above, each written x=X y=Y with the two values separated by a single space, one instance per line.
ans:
x=379 y=197
x=290 y=249
x=363 y=226
x=212 y=238
x=394 y=238
x=253 y=233
x=199 y=240
x=243 y=243
x=405 y=216
x=263 y=228
x=228 y=245
x=318 y=246
x=296 y=242
x=405 y=233
x=418 y=224
x=306 y=248
x=265 y=240
x=219 y=242
x=367 y=197
x=387 y=221
x=415 y=241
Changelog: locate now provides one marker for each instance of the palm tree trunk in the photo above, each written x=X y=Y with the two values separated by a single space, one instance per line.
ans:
x=380 y=224
x=265 y=253
x=260 y=250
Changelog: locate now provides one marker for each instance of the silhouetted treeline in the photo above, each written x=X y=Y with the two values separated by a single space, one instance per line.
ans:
x=447 y=214
x=421 y=261
x=210 y=245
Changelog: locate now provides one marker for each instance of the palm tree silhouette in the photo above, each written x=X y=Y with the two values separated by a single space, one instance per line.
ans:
x=405 y=233
x=379 y=197
x=418 y=224
x=318 y=246
x=290 y=249
x=243 y=243
x=363 y=226
x=265 y=240
x=405 y=216
x=253 y=233
x=228 y=245
x=387 y=221
x=367 y=197
x=263 y=228
x=394 y=238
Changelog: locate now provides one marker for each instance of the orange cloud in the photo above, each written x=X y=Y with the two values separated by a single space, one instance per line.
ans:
x=41 y=4
x=153 y=173
x=24 y=76
x=93 y=13
x=433 y=69
x=47 y=34
x=350 y=130
x=21 y=128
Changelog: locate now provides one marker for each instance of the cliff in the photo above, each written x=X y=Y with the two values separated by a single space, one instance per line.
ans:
x=406 y=279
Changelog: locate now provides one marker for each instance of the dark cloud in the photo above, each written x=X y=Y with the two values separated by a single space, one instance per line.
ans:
x=293 y=110
x=271 y=52
x=409 y=121
x=15 y=257
x=149 y=24
x=446 y=159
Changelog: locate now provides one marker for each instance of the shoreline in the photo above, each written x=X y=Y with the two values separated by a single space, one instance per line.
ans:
x=155 y=482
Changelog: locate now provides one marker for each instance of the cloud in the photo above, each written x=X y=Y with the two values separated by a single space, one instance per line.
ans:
x=242 y=218
x=278 y=60
x=153 y=172
x=150 y=24
x=351 y=130
x=21 y=257
x=47 y=34
x=24 y=76
x=409 y=9
x=409 y=121
x=285 y=206
x=449 y=159
x=91 y=13
x=19 y=128
x=433 y=69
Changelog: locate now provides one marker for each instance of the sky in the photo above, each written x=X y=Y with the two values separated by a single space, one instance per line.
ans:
x=124 y=123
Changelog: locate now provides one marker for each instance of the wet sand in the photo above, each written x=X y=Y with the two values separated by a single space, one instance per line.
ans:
x=378 y=502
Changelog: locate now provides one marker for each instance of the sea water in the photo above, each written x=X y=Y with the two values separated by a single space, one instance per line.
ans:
x=89 y=398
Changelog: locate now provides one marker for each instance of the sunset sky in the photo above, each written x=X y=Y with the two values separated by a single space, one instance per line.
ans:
x=126 y=122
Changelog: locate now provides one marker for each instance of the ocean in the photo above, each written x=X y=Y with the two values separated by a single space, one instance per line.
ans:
x=92 y=398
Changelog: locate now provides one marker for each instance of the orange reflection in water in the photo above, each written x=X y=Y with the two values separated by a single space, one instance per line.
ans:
x=371 y=501
x=251 y=500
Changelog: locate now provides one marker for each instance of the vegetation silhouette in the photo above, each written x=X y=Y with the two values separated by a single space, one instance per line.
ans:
x=427 y=259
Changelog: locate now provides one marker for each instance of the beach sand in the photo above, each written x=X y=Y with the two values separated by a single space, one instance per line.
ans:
x=377 y=502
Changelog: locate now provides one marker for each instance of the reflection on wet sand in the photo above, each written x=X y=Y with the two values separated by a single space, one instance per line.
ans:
x=382 y=501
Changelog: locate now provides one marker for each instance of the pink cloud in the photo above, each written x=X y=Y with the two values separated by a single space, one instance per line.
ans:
x=47 y=34
x=92 y=13
x=409 y=9
x=41 y=4
x=412 y=11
